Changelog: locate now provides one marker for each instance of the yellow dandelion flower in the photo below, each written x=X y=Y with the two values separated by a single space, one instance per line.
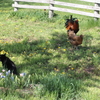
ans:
x=44 y=48
x=12 y=57
x=46 y=41
x=72 y=68
x=63 y=72
x=59 y=47
x=79 y=20
x=6 y=42
x=6 y=52
x=0 y=41
x=64 y=49
x=56 y=69
x=24 y=52
x=30 y=54
x=3 y=52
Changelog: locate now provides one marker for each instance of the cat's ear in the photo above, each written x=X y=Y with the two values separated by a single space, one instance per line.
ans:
x=4 y=54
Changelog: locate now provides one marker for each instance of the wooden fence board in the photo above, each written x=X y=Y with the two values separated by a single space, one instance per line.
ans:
x=76 y=5
x=94 y=1
x=30 y=6
x=38 y=1
x=75 y=12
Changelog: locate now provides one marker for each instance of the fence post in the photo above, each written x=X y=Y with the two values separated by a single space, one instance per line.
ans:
x=15 y=3
x=96 y=11
x=51 y=12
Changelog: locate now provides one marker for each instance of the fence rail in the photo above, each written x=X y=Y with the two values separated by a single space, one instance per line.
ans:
x=51 y=8
x=94 y=1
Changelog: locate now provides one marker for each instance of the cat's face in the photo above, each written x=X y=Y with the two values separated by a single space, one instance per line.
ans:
x=2 y=57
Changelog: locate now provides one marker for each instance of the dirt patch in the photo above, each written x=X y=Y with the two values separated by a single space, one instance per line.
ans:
x=89 y=70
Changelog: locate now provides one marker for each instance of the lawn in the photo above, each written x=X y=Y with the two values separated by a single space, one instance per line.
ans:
x=40 y=48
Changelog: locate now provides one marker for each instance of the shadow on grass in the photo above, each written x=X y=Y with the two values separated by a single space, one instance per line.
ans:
x=41 y=52
x=42 y=57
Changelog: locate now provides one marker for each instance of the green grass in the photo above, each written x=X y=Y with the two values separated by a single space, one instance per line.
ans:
x=39 y=47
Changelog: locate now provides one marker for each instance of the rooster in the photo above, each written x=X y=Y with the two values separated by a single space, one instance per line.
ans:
x=70 y=34
x=72 y=24
x=75 y=40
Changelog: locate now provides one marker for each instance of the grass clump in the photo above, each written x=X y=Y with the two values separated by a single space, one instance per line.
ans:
x=34 y=15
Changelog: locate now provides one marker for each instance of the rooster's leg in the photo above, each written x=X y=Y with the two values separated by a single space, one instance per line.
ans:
x=75 y=47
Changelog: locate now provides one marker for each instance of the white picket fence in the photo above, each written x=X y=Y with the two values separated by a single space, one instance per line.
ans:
x=51 y=8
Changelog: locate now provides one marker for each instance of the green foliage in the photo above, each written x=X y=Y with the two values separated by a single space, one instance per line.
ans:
x=34 y=15
x=61 y=85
